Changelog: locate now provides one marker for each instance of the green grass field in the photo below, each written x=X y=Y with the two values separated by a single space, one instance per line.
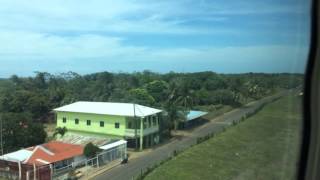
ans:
x=264 y=146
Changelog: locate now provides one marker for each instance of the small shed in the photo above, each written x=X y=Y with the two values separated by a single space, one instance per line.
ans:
x=192 y=118
x=192 y=115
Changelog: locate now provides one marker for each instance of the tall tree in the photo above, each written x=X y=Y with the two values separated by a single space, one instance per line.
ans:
x=141 y=96
x=158 y=89
x=19 y=131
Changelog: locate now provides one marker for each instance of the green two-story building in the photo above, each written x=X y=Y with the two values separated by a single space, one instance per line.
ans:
x=138 y=124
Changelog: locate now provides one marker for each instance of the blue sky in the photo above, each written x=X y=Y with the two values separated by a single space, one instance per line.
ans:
x=224 y=36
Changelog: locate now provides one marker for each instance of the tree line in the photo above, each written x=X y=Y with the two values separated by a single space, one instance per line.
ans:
x=26 y=102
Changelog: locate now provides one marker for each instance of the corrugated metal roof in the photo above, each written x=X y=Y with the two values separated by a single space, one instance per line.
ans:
x=85 y=138
x=109 y=108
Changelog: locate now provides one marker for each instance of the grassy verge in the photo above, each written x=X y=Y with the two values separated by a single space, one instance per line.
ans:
x=265 y=146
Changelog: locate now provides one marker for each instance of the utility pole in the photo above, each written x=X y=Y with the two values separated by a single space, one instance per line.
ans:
x=135 y=124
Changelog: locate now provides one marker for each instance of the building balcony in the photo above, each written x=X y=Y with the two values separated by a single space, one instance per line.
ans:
x=147 y=131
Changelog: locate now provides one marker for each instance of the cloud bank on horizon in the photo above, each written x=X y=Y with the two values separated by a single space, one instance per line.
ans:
x=185 y=36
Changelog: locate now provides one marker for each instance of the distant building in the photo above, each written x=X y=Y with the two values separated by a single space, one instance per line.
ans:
x=138 y=124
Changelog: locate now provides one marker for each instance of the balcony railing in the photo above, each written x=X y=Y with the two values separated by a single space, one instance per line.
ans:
x=131 y=132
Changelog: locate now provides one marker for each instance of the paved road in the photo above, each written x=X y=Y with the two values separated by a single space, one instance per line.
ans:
x=135 y=166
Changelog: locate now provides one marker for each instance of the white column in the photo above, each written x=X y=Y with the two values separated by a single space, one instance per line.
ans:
x=34 y=172
x=98 y=160
x=51 y=170
x=19 y=165
x=27 y=174
x=141 y=133
x=125 y=150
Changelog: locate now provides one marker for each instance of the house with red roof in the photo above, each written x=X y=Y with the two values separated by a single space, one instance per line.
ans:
x=55 y=153
x=55 y=158
x=59 y=154
x=41 y=161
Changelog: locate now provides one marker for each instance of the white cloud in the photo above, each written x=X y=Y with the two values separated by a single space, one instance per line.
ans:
x=90 y=53
x=47 y=46
x=127 y=16
x=32 y=35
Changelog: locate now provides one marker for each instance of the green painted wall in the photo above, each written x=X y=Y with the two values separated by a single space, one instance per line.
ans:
x=149 y=126
x=109 y=123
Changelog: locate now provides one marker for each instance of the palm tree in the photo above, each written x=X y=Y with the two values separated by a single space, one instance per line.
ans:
x=60 y=130
x=177 y=103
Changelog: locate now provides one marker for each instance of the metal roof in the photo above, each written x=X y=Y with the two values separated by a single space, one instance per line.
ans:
x=195 y=114
x=112 y=145
x=109 y=108
x=53 y=151
x=16 y=156
x=84 y=138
